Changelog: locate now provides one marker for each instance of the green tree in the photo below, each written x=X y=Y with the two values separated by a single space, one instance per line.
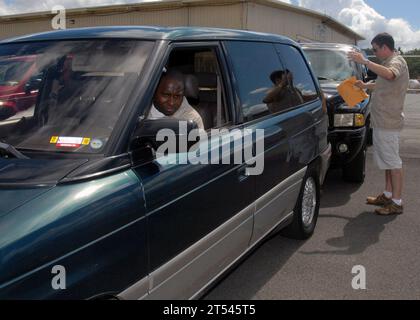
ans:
x=413 y=62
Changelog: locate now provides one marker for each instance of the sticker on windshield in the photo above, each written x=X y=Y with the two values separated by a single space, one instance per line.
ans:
x=54 y=140
x=96 y=144
x=69 y=142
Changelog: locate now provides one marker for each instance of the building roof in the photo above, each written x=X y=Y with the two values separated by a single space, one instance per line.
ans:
x=171 y=4
x=152 y=33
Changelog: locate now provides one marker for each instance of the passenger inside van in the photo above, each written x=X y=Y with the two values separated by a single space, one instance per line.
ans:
x=170 y=101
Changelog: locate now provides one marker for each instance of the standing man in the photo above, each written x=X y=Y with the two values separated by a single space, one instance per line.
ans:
x=387 y=104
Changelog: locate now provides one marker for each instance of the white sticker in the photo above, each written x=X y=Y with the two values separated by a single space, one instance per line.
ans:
x=70 y=140
x=96 y=144
x=67 y=142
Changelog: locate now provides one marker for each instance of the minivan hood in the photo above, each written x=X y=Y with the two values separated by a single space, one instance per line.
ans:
x=11 y=199
x=22 y=180
x=35 y=172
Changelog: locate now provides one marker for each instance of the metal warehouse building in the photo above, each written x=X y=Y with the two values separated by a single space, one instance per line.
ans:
x=256 y=15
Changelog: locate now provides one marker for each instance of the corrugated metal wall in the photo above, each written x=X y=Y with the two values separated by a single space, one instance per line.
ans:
x=8 y=30
x=292 y=24
x=244 y=15
x=172 y=17
x=226 y=16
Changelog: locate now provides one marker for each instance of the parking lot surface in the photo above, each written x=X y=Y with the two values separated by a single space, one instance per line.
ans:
x=348 y=234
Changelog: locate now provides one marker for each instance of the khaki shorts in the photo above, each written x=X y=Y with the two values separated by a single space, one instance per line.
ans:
x=386 y=146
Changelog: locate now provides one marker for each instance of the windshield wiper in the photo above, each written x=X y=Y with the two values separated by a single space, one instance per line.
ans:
x=9 y=150
x=323 y=78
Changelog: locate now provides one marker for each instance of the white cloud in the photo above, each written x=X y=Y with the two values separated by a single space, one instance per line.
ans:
x=366 y=21
x=356 y=14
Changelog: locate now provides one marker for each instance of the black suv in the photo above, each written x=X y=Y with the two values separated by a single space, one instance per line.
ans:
x=349 y=128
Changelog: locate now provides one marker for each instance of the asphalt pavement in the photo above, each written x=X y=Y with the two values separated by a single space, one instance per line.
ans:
x=348 y=235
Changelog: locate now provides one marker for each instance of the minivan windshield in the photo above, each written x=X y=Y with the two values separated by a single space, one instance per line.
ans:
x=330 y=65
x=66 y=96
x=12 y=71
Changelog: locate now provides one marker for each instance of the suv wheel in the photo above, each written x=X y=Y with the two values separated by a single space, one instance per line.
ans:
x=306 y=210
x=355 y=171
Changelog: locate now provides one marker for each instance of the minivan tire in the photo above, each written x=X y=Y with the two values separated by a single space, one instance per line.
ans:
x=304 y=222
x=355 y=171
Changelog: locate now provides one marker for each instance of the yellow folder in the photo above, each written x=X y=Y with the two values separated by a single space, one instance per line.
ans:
x=351 y=94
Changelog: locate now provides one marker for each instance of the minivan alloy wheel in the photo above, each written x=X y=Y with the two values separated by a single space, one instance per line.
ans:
x=309 y=202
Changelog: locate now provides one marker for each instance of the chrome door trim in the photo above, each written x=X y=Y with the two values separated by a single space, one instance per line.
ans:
x=162 y=280
x=273 y=194
x=160 y=283
x=325 y=163
x=138 y=291
x=250 y=248
x=275 y=204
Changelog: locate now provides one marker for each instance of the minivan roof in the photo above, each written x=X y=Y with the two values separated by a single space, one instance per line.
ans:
x=323 y=45
x=152 y=33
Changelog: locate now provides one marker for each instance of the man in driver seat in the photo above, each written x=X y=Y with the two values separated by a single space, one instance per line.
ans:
x=169 y=100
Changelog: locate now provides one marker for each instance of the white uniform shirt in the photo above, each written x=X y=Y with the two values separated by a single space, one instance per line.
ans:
x=185 y=112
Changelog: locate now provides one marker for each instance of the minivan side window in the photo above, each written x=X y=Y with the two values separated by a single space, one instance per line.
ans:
x=261 y=80
x=301 y=78
x=204 y=83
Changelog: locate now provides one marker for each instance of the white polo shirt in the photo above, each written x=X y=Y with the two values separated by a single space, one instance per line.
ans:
x=185 y=112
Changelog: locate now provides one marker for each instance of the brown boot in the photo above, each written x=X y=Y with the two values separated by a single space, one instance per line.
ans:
x=390 y=209
x=380 y=201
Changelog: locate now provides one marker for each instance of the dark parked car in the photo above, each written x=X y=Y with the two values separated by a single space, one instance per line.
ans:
x=349 y=128
x=89 y=209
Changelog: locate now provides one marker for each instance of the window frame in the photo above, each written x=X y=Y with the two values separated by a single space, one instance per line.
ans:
x=222 y=69
x=234 y=81
x=308 y=67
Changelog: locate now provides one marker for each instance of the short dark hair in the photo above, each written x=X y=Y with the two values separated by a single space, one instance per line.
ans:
x=173 y=75
x=384 y=39
x=278 y=75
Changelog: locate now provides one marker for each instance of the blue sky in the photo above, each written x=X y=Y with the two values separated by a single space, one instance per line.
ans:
x=406 y=9
x=370 y=17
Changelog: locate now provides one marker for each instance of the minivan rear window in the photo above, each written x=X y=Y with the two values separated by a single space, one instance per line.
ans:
x=266 y=85
x=303 y=81
x=254 y=64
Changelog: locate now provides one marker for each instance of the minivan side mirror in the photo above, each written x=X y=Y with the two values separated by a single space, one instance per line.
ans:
x=145 y=136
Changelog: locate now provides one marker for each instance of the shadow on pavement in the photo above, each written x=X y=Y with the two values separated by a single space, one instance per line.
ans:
x=253 y=273
x=335 y=191
x=360 y=233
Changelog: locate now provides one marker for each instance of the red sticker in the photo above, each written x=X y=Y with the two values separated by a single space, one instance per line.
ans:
x=67 y=145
